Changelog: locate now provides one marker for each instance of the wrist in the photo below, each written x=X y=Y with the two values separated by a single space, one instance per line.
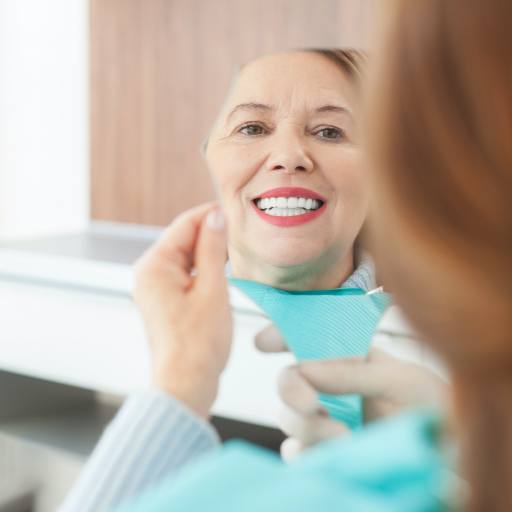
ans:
x=196 y=390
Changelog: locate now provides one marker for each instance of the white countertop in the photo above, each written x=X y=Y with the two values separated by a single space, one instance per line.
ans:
x=71 y=320
x=68 y=317
x=97 y=342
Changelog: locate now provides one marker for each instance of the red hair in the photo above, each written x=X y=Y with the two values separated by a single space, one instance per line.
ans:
x=439 y=136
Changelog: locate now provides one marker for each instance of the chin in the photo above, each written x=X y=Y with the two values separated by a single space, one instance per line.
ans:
x=283 y=255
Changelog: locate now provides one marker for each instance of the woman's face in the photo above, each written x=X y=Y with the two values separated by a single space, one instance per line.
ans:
x=285 y=160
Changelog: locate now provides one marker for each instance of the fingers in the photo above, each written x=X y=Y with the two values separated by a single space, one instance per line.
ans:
x=347 y=376
x=270 y=340
x=178 y=240
x=309 y=429
x=173 y=252
x=303 y=417
x=379 y=355
x=210 y=257
x=385 y=382
x=297 y=393
x=291 y=448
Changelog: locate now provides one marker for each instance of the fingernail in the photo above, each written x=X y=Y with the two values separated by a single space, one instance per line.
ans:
x=215 y=220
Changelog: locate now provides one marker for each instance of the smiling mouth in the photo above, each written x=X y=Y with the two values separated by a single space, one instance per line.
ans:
x=287 y=206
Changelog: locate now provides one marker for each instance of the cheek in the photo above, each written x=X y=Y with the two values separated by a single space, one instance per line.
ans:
x=227 y=171
x=349 y=180
x=230 y=169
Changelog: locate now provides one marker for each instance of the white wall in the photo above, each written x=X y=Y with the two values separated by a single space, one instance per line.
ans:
x=44 y=153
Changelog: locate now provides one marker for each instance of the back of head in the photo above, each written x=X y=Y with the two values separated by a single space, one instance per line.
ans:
x=439 y=135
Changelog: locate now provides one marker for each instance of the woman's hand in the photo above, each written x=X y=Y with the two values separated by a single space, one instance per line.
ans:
x=387 y=384
x=181 y=291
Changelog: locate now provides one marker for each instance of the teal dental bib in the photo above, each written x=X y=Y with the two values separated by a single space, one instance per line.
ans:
x=323 y=324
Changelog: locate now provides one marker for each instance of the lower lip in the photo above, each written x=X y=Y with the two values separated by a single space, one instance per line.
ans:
x=288 y=222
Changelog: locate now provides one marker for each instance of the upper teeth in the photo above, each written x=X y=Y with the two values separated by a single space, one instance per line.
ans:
x=288 y=203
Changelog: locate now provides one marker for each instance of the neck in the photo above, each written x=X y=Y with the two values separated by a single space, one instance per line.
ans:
x=317 y=275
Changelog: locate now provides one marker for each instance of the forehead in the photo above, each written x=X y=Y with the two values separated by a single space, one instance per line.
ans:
x=293 y=80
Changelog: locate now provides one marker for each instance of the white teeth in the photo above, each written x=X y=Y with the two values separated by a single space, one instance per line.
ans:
x=285 y=212
x=288 y=202
x=287 y=206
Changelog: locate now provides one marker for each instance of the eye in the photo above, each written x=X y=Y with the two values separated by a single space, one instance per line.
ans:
x=330 y=133
x=252 y=130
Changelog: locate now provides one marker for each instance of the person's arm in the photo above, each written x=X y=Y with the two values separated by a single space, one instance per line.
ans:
x=152 y=437
x=182 y=294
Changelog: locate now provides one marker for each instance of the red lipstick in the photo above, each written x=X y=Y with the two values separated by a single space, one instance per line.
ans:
x=296 y=220
x=292 y=192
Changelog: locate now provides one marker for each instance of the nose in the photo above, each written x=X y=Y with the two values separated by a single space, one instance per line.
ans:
x=289 y=157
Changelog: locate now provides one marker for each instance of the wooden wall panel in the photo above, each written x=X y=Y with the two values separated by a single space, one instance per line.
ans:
x=159 y=72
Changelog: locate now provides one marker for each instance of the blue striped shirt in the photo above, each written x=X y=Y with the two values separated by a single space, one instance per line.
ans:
x=152 y=436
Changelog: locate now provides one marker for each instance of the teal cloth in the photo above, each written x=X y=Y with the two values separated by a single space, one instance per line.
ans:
x=323 y=324
x=389 y=466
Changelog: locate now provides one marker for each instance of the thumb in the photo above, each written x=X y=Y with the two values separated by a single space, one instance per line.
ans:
x=210 y=257
x=270 y=340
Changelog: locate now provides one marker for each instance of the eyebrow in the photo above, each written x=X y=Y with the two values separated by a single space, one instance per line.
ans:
x=333 y=108
x=250 y=106
x=262 y=107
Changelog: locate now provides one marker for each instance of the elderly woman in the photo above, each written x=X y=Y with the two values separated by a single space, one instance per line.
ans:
x=285 y=158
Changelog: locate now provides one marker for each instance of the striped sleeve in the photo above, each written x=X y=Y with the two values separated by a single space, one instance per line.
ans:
x=152 y=436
